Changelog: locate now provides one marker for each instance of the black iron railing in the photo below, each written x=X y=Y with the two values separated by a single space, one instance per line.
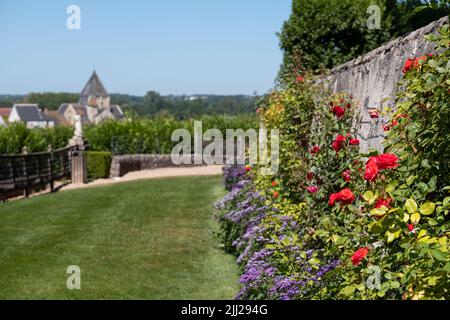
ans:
x=23 y=173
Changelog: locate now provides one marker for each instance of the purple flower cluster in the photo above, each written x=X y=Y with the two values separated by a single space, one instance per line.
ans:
x=233 y=174
x=252 y=230
x=250 y=205
x=235 y=192
x=256 y=269
x=286 y=288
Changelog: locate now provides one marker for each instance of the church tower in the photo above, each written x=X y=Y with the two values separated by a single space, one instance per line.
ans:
x=94 y=93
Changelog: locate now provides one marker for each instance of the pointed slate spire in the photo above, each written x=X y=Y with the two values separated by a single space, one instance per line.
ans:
x=93 y=87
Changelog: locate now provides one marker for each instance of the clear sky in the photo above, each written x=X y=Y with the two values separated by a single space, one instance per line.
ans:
x=170 y=46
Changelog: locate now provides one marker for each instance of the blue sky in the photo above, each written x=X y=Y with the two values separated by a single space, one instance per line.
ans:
x=171 y=46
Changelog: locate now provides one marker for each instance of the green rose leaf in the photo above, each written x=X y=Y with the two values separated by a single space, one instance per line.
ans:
x=314 y=261
x=348 y=291
x=446 y=202
x=411 y=206
x=391 y=236
x=415 y=217
x=427 y=208
x=379 y=212
x=369 y=196
x=438 y=254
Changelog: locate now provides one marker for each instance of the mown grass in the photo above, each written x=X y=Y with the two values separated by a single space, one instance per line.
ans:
x=137 y=240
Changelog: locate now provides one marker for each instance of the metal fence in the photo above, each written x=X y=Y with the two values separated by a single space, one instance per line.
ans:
x=24 y=173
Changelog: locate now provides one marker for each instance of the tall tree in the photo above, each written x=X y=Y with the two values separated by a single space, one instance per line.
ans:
x=326 y=33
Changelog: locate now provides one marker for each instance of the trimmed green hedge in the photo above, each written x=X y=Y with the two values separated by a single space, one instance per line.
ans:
x=98 y=164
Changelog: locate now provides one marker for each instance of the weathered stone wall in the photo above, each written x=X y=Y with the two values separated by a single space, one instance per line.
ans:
x=123 y=164
x=373 y=77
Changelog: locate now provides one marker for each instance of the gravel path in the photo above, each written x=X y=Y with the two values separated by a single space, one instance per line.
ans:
x=151 y=174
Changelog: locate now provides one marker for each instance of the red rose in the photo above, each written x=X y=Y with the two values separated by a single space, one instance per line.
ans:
x=276 y=194
x=333 y=198
x=346 y=196
x=383 y=202
x=374 y=114
x=354 y=142
x=310 y=175
x=274 y=183
x=338 y=111
x=359 y=255
x=386 y=128
x=315 y=149
x=387 y=161
x=312 y=189
x=248 y=168
x=349 y=105
x=346 y=175
x=371 y=169
x=337 y=143
x=417 y=61
x=408 y=65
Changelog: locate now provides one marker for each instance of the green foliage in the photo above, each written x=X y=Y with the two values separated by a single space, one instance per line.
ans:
x=98 y=164
x=153 y=135
x=134 y=135
x=391 y=238
x=183 y=107
x=51 y=100
x=421 y=137
x=326 y=33
x=17 y=136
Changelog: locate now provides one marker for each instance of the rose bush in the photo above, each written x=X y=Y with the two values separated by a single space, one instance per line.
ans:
x=343 y=224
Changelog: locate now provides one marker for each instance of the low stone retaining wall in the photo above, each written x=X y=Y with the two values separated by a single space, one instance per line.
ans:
x=123 y=164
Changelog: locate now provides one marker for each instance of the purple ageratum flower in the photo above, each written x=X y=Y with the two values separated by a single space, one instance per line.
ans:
x=286 y=288
x=327 y=268
x=237 y=215
x=234 y=174
x=232 y=195
x=256 y=270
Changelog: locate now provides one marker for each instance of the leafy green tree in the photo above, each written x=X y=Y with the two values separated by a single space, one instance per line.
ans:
x=326 y=33
x=51 y=100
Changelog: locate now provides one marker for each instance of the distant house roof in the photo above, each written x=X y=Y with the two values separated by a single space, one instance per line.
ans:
x=93 y=87
x=62 y=108
x=116 y=111
x=81 y=110
x=4 y=112
x=30 y=112
x=58 y=118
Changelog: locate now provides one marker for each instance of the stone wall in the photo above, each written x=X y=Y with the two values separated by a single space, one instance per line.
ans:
x=123 y=164
x=373 y=77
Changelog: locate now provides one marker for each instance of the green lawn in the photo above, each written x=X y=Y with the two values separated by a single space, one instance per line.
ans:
x=137 y=240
